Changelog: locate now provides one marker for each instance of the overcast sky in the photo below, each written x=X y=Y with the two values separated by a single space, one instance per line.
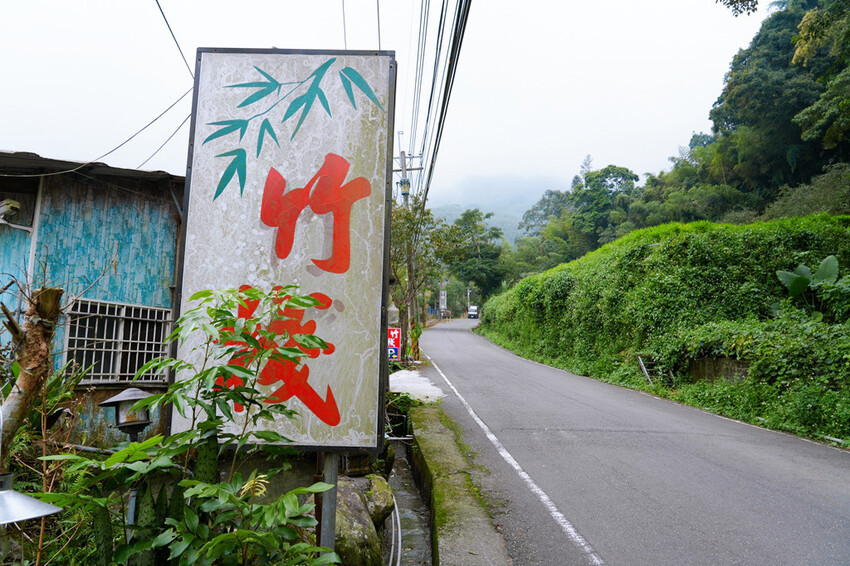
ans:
x=541 y=83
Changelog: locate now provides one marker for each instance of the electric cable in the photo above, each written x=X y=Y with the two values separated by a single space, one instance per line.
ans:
x=434 y=74
x=113 y=150
x=424 y=14
x=459 y=30
x=174 y=133
x=378 y=3
x=188 y=68
x=344 y=30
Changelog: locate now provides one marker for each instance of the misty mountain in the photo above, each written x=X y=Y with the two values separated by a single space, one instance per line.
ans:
x=506 y=197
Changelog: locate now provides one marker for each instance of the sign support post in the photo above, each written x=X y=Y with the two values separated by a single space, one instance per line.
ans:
x=330 y=474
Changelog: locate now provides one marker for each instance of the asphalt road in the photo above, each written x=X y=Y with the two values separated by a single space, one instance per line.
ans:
x=581 y=472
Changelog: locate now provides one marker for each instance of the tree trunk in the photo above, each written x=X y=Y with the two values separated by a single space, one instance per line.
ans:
x=403 y=324
x=34 y=358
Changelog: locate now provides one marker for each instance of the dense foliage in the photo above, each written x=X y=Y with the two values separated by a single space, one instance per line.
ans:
x=779 y=147
x=200 y=499
x=680 y=292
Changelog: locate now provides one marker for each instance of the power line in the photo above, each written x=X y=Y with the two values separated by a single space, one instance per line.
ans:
x=459 y=30
x=113 y=150
x=424 y=14
x=174 y=133
x=378 y=2
x=437 y=80
x=344 y=30
x=188 y=68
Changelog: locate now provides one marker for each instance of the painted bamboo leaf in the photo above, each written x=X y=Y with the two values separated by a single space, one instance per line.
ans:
x=324 y=100
x=264 y=88
x=346 y=84
x=227 y=127
x=236 y=167
x=305 y=101
x=265 y=128
x=348 y=76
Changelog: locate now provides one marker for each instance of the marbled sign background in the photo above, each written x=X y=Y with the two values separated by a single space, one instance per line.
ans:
x=227 y=243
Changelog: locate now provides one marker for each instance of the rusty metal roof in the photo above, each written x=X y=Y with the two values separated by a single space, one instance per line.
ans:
x=26 y=163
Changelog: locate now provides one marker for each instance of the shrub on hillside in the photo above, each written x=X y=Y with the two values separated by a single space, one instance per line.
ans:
x=678 y=292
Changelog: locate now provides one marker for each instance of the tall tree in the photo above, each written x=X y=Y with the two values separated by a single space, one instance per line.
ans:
x=763 y=93
x=550 y=205
x=475 y=254
x=739 y=7
x=418 y=245
x=595 y=197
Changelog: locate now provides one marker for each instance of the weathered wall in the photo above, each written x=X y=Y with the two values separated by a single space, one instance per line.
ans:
x=14 y=248
x=110 y=239
x=86 y=224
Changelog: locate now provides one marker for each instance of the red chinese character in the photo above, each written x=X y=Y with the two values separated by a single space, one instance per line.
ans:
x=325 y=194
x=294 y=379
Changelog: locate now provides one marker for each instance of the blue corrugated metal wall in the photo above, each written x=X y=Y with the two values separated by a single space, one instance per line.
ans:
x=14 y=249
x=85 y=227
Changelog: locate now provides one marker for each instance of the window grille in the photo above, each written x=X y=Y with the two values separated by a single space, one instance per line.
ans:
x=115 y=340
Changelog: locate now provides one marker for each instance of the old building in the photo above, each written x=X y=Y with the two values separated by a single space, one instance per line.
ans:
x=109 y=238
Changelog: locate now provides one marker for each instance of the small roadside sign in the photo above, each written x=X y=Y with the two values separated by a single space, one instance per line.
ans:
x=394 y=343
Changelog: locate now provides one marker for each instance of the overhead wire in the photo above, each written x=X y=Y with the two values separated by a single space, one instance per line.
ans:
x=177 y=43
x=378 y=3
x=113 y=150
x=442 y=69
x=436 y=81
x=424 y=14
x=441 y=85
x=174 y=133
x=344 y=30
x=459 y=29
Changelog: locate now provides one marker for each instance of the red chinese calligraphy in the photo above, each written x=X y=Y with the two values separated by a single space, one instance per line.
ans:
x=294 y=379
x=325 y=193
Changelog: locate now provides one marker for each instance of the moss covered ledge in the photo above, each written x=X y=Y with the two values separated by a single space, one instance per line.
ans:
x=462 y=533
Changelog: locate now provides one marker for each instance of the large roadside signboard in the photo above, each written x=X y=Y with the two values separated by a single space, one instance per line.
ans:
x=289 y=182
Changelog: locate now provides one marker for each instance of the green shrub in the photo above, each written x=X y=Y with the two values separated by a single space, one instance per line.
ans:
x=679 y=292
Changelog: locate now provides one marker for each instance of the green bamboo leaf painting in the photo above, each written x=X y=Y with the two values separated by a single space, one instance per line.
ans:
x=227 y=127
x=236 y=167
x=300 y=101
x=305 y=101
x=346 y=84
x=349 y=74
x=264 y=88
x=324 y=100
x=265 y=128
x=294 y=106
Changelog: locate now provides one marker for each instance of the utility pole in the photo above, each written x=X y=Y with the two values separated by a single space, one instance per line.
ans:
x=404 y=189
x=404 y=184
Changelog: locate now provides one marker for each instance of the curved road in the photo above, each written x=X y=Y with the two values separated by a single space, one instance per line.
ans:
x=581 y=472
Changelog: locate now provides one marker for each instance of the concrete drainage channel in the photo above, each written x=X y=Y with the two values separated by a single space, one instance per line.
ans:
x=461 y=532
x=407 y=534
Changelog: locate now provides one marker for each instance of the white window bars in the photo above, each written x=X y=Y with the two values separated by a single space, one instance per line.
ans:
x=115 y=340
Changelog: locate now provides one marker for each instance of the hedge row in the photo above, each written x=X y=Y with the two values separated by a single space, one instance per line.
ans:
x=682 y=291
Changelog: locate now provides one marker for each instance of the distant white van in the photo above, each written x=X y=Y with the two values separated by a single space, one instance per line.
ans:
x=473 y=312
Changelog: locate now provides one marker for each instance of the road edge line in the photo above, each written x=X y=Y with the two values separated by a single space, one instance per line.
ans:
x=564 y=523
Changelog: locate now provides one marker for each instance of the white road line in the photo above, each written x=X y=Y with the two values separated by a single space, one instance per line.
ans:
x=559 y=518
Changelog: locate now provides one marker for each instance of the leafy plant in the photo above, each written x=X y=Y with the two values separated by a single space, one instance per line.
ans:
x=822 y=291
x=197 y=517
x=801 y=279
